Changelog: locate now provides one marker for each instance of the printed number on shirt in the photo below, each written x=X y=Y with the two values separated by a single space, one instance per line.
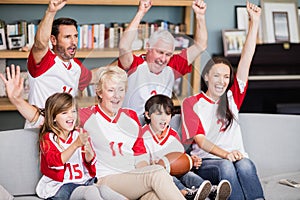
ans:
x=67 y=90
x=116 y=146
x=75 y=171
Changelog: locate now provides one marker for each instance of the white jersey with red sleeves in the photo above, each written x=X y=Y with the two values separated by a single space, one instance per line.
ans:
x=52 y=75
x=160 y=145
x=199 y=117
x=55 y=172
x=142 y=84
x=117 y=140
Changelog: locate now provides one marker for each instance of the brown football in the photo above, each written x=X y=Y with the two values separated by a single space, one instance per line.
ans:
x=176 y=163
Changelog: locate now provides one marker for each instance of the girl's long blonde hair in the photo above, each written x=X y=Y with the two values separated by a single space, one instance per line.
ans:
x=55 y=104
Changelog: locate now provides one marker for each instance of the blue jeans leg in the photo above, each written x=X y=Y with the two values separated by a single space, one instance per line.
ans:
x=216 y=170
x=191 y=179
x=249 y=180
x=178 y=183
x=237 y=173
x=64 y=192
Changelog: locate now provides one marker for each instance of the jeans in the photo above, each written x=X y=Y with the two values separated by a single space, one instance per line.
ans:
x=241 y=175
x=66 y=190
x=188 y=180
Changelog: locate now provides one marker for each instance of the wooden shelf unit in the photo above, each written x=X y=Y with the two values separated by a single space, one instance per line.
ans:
x=5 y=104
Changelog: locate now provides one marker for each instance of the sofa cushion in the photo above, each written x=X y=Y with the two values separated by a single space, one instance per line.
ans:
x=19 y=161
x=272 y=142
x=4 y=194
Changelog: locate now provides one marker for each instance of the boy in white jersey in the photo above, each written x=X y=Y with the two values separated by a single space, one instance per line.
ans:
x=160 y=139
x=55 y=70
x=156 y=71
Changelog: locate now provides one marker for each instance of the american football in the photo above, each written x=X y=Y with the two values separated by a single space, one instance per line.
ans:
x=176 y=163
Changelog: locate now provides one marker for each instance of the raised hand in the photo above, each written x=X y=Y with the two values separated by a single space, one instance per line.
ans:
x=254 y=11
x=145 y=5
x=55 y=5
x=83 y=137
x=199 y=7
x=13 y=82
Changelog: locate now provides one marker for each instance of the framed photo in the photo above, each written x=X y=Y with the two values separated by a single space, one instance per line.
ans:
x=233 y=41
x=2 y=39
x=280 y=21
x=281 y=27
x=242 y=22
x=299 y=17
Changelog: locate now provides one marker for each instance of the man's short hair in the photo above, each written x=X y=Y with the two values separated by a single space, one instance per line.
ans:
x=62 y=21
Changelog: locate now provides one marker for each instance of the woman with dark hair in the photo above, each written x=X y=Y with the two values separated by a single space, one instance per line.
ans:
x=210 y=120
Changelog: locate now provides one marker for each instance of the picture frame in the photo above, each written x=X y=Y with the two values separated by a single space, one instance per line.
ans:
x=290 y=28
x=2 y=39
x=299 y=17
x=281 y=27
x=233 y=41
x=242 y=21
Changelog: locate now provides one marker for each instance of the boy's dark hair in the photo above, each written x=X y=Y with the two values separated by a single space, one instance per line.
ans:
x=62 y=21
x=155 y=103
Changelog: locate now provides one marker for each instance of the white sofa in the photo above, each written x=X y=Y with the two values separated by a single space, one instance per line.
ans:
x=272 y=141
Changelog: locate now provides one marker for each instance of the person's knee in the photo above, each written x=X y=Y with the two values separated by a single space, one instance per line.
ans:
x=226 y=166
x=245 y=165
x=91 y=190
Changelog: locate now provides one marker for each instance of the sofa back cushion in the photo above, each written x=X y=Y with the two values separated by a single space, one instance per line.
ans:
x=272 y=142
x=19 y=161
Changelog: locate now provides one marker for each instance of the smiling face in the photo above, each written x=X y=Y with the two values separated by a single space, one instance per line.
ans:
x=159 y=119
x=112 y=96
x=217 y=80
x=66 y=120
x=65 y=44
x=159 y=55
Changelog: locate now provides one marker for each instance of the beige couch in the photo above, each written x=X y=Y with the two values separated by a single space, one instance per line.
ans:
x=272 y=141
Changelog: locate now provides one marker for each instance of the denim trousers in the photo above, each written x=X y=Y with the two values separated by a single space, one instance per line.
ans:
x=66 y=190
x=241 y=174
x=188 y=180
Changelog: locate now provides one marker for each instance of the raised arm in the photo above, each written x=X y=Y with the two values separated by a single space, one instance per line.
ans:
x=41 y=40
x=254 y=13
x=200 y=37
x=14 y=90
x=129 y=35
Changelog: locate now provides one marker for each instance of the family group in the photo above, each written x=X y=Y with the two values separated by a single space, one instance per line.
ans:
x=111 y=150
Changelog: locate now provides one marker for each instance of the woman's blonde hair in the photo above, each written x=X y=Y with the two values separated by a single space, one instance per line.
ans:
x=114 y=73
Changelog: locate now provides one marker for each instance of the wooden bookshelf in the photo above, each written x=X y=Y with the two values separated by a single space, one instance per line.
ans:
x=6 y=105
x=104 y=2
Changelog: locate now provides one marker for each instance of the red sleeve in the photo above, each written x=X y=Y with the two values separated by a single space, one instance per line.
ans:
x=179 y=63
x=175 y=134
x=51 y=153
x=84 y=114
x=139 y=145
x=237 y=94
x=137 y=60
x=85 y=76
x=46 y=63
x=51 y=163
x=191 y=124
